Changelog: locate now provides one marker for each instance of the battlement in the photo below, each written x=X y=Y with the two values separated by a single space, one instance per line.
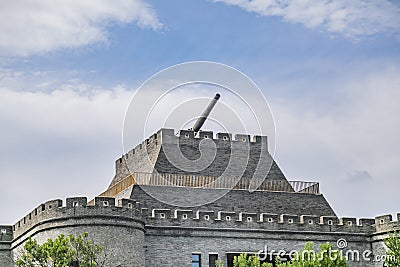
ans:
x=164 y=136
x=269 y=221
x=198 y=153
x=108 y=208
x=76 y=207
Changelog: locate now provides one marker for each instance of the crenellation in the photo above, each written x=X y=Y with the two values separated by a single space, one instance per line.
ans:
x=183 y=214
x=224 y=136
x=161 y=213
x=75 y=206
x=248 y=217
x=289 y=219
x=260 y=139
x=206 y=135
x=329 y=220
x=188 y=134
x=206 y=215
x=129 y=204
x=385 y=223
x=76 y=202
x=266 y=221
x=242 y=138
x=53 y=204
x=269 y=217
x=383 y=219
x=348 y=222
x=227 y=216
x=6 y=233
x=310 y=219
x=366 y=222
x=104 y=202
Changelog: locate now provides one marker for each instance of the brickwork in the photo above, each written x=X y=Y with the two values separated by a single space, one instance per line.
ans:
x=237 y=200
x=119 y=228
x=164 y=152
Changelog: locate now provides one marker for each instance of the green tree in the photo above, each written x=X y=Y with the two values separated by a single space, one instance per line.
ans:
x=62 y=252
x=248 y=261
x=393 y=253
x=308 y=257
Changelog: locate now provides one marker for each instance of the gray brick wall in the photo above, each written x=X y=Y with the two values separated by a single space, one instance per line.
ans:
x=169 y=246
x=237 y=200
x=119 y=228
x=165 y=152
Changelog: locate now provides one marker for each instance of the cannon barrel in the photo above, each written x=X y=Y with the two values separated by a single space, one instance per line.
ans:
x=200 y=121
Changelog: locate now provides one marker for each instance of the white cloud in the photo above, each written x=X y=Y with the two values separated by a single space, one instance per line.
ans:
x=57 y=143
x=352 y=19
x=32 y=26
x=353 y=149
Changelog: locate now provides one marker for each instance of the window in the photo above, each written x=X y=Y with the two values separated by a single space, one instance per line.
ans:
x=270 y=220
x=330 y=222
x=212 y=258
x=184 y=216
x=130 y=206
x=206 y=217
x=382 y=221
x=290 y=221
x=196 y=260
x=310 y=222
x=228 y=218
x=105 y=204
x=162 y=215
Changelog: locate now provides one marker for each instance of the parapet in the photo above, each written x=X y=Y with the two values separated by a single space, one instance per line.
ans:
x=128 y=212
x=52 y=211
x=164 y=136
x=268 y=221
x=188 y=134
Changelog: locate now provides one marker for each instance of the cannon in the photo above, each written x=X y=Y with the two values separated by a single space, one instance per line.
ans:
x=200 y=121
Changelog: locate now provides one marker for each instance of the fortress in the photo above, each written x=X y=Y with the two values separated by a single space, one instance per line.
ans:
x=155 y=213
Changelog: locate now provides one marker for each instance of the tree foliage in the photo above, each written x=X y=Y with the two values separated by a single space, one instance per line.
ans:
x=248 y=261
x=393 y=253
x=62 y=252
x=308 y=257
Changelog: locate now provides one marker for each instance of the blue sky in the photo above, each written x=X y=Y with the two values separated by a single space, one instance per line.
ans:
x=329 y=69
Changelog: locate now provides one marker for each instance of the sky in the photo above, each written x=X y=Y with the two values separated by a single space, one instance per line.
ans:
x=329 y=69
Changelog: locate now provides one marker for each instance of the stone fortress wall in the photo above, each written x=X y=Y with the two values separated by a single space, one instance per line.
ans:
x=120 y=228
x=140 y=236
